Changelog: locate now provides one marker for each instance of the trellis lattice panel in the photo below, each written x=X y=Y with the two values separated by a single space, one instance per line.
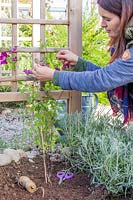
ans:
x=39 y=29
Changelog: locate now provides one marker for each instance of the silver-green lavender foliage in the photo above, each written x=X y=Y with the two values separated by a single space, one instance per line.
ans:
x=101 y=146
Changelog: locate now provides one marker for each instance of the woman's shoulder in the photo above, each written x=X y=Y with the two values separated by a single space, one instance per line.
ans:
x=131 y=50
x=128 y=54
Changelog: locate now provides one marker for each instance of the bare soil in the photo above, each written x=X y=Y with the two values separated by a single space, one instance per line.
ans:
x=77 y=188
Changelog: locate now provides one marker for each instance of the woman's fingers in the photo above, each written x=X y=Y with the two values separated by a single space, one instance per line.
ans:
x=43 y=73
x=35 y=66
x=62 y=55
x=34 y=72
x=67 y=57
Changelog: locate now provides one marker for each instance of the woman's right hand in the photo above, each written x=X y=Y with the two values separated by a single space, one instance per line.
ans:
x=67 y=57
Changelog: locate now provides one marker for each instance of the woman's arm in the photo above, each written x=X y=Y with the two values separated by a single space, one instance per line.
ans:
x=78 y=64
x=83 y=65
x=118 y=73
x=115 y=74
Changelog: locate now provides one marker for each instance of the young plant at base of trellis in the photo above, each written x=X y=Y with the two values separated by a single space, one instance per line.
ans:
x=44 y=114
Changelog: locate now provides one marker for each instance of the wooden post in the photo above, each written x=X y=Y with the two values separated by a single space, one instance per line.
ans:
x=42 y=16
x=42 y=33
x=36 y=28
x=75 y=45
x=14 y=40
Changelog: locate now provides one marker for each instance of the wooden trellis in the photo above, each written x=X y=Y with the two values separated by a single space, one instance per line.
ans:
x=74 y=24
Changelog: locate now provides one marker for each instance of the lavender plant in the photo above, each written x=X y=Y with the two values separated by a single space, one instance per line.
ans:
x=101 y=147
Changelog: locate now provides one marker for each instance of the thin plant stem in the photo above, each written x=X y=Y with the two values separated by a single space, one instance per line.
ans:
x=44 y=156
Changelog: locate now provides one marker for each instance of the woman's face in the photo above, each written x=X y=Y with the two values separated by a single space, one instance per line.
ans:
x=110 y=22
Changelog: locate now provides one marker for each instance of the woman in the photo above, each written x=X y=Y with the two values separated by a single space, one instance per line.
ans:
x=117 y=76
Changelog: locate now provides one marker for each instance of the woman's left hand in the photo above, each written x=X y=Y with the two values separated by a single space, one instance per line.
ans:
x=43 y=73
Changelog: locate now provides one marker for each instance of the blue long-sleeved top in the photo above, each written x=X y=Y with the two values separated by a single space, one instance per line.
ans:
x=89 y=77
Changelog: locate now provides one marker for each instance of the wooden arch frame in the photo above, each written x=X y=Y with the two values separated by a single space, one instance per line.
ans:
x=74 y=23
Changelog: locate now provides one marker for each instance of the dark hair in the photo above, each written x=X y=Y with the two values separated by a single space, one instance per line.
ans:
x=123 y=9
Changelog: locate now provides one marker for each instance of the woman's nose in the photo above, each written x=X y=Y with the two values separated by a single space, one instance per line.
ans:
x=103 y=23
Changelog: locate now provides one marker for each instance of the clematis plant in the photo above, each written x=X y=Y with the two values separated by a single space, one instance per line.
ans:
x=64 y=67
x=8 y=59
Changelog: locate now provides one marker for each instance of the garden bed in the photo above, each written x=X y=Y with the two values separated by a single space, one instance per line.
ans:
x=77 y=188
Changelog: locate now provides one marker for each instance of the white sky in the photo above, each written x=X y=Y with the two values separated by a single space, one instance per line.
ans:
x=60 y=3
x=58 y=6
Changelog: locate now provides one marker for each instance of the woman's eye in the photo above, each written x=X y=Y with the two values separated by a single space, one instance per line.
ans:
x=108 y=20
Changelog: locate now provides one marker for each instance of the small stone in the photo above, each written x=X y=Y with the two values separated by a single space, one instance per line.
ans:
x=6 y=111
x=30 y=160
x=57 y=157
x=12 y=185
x=6 y=188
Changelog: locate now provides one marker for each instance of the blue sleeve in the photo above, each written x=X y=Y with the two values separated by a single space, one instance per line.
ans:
x=83 y=65
x=118 y=73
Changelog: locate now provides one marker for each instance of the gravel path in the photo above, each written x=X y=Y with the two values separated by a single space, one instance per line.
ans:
x=12 y=124
x=12 y=121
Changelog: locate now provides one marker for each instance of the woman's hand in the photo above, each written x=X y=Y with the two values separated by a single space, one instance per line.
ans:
x=67 y=57
x=43 y=73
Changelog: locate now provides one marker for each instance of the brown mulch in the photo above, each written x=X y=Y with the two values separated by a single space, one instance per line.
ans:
x=77 y=188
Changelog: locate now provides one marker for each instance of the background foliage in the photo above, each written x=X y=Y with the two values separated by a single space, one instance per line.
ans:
x=94 y=41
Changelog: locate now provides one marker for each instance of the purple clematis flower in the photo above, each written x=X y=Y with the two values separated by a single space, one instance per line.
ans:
x=27 y=71
x=14 y=59
x=65 y=67
x=3 y=62
x=13 y=49
x=3 y=57
x=6 y=58
x=4 y=54
x=57 y=68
